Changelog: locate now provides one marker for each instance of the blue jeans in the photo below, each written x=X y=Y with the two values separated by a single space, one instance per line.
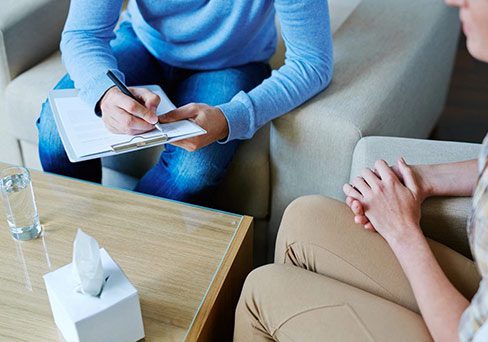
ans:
x=179 y=175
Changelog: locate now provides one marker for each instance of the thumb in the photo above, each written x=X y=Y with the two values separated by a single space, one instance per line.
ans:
x=408 y=176
x=178 y=114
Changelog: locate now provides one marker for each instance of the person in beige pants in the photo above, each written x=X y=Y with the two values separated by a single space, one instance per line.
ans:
x=348 y=285
x=363 y=271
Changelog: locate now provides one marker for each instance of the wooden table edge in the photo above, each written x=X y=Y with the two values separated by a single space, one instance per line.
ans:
x=203 y=325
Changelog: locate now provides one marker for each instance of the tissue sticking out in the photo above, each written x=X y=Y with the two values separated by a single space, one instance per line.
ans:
x=87 y=265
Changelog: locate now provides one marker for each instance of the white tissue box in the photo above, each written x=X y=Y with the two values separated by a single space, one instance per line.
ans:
x=114 y=316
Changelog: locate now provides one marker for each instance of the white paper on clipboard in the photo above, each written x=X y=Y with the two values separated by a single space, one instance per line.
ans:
x=85 y=136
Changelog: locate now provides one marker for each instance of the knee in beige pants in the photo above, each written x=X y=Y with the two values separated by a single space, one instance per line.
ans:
x=306 y=219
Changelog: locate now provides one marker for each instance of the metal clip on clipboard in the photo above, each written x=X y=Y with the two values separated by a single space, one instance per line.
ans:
x=132 y=145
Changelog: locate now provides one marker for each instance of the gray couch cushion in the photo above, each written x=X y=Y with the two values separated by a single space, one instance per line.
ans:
x=443 y=219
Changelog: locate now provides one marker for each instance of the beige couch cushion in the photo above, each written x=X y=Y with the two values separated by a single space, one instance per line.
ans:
x=339 y=11
x=30 y=154
x=30 y=31
x=443 y=219
x=23 y=44
x=25 y=95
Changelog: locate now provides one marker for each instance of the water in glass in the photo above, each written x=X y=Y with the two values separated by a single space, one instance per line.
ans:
x=20 y=205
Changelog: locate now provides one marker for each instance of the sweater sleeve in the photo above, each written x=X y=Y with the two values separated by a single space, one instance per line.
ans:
x=85 y=46
x=307 y=70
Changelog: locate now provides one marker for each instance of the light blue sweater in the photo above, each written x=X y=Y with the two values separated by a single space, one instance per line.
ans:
x=209 y=34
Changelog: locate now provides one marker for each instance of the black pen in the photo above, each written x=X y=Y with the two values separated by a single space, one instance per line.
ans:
x=121 y=86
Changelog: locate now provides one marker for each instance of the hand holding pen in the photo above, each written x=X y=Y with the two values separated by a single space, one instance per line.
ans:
x=128 y=110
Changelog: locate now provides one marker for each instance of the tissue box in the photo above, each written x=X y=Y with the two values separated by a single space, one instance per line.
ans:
x=114 y=316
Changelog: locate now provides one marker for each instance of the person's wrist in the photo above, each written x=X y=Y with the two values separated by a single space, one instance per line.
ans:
x=98 y=105
x=224 y=131
x=410 y=236
x=107 y=94
x=426 y=176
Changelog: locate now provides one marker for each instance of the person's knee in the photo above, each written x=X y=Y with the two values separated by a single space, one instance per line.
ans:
x=199 y=171
x=264 y=287
x=248 y=289
x=312 y=203
x=258 y=287
x=307 y=212
x=51 y=149
x=255 y=312
x=301 y=220
x=194 y=181
x=52 y=157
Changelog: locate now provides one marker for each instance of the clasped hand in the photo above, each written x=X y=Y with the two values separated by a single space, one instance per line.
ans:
x=123 y=115
x=387 y=200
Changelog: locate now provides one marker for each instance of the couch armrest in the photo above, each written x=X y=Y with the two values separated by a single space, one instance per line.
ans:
x=443 y=219
x=389 y=79
x=29 y=32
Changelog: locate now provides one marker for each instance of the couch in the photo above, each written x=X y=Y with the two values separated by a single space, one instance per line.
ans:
x=393 y=63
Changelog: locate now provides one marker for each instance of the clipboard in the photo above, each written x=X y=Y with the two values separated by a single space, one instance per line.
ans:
x=85 y=136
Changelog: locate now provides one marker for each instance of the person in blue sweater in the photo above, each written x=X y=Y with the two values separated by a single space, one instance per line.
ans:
x=210 y=57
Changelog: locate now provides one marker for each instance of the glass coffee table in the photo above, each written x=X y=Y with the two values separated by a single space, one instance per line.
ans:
x=188 y=263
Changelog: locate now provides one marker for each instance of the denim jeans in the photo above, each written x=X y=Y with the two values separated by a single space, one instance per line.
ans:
x=179 y=175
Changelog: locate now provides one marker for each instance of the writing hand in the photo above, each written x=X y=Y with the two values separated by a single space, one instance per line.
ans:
x=122 y=114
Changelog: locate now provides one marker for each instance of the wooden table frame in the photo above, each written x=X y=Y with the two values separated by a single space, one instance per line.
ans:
x=215 y=319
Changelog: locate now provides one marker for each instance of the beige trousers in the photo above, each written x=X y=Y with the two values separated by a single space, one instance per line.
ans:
x=334 y=281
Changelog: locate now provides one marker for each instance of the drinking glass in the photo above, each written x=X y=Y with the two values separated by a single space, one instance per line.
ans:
x=19 y=203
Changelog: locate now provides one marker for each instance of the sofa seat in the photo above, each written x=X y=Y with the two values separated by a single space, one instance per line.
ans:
x=18 y=19
x=26 y=93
